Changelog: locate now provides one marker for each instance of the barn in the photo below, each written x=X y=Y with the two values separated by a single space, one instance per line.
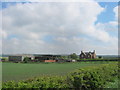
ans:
x=19 y=57
x=47 y=58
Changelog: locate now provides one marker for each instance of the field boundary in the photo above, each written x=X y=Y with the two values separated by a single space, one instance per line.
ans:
x=97 y=60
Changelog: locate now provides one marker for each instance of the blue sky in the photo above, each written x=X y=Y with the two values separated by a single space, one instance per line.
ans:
x=108 y=15
x=56 y=28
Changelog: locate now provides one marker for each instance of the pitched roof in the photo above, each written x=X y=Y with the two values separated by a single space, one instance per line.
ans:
x=86 y=53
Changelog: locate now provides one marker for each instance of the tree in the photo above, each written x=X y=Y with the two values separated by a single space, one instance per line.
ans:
x=100 y=57
x=73 y=56
x=26 y=59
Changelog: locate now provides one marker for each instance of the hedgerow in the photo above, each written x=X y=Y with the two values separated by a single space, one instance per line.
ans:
x=85 y=78
x=93 y=77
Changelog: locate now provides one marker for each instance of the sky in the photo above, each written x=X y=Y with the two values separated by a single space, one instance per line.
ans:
x=59 y=28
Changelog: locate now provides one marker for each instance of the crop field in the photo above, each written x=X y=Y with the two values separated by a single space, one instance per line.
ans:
x=22 y=71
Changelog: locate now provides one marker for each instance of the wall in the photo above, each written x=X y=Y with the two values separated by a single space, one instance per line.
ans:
x=15 y=58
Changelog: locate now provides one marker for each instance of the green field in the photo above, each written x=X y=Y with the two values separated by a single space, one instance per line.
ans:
x=21 y=71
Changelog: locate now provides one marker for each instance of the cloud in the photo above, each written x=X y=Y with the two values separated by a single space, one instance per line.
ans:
x=116 y=12
x=71 y=27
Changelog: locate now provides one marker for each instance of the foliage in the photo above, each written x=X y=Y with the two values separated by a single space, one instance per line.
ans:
x=73 y=56
x=101 y=59
x=85 y=78
x=26 y=60
x=20 y=71
x=64 y=57
x=93 y=77
x=114 y=84
x=42 y=82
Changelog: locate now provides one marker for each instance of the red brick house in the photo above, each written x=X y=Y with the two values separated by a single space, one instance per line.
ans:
x=87 y=55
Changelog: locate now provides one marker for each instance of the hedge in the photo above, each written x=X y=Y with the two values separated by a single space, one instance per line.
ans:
x=85 y=78
x=100 y=59
x=93 y=77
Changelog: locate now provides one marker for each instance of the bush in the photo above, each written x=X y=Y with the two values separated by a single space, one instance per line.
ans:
x=86 y=78
x=26 y=60
x=93 y=77
x=73 y=56
x=42 y=82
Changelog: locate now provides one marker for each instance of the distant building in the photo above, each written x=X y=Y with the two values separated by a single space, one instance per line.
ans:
x=19 y=58
x=87 y=55
x=47 y=58
x=36 y=57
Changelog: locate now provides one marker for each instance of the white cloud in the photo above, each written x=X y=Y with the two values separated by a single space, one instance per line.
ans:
x=117 y=15
x=109 y=26
x=72 y=26
x=4 y=34
x=116 y=12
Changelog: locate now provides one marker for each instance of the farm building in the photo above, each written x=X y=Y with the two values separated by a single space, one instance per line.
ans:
x=19 y=58
x=50 y=61
x=87 y=55
x=47 y=58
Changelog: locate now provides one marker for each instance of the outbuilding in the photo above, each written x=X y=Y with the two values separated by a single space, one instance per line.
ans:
x=47 y=58
x=19 y=58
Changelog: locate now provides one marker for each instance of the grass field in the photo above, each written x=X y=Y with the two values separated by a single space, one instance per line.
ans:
x=21 y=71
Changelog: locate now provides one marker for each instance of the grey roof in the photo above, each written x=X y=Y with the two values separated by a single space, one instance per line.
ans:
x=86 y=53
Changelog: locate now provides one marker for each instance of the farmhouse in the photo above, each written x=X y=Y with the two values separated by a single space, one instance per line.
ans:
x=19 y=57
x=87 y=55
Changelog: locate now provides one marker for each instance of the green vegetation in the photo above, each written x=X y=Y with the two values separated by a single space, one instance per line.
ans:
x=20 y=71
x=113 y=84
x=73 y=56
x=64 y=57
x=100 y=59
x=93 y=77
x=26 y=60
x=88 y=77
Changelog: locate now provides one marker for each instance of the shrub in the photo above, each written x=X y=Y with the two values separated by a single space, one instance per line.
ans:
x=26 y=60
x=93 y=77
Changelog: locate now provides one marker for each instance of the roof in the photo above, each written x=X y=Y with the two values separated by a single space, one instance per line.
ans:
x=49 y=55
x=86 y=53
x=23 y=55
